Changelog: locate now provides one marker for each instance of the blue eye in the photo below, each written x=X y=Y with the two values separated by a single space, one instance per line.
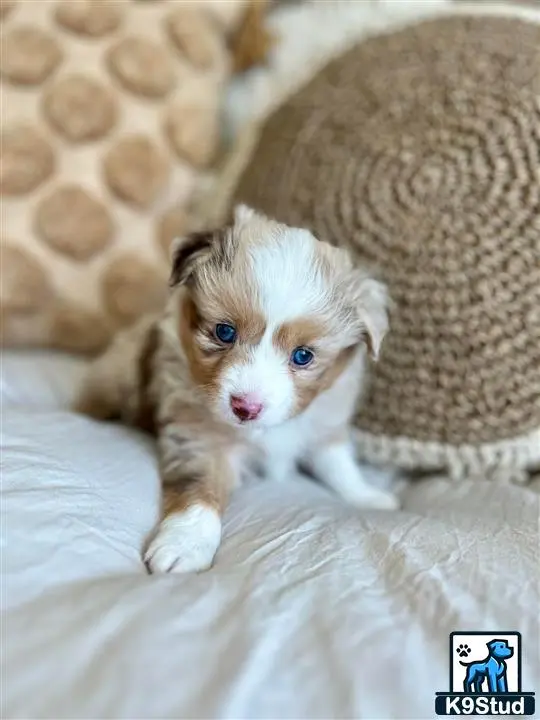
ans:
x=225 y=333
x=301 y=357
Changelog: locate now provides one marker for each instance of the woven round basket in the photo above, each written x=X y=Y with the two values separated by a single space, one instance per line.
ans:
x=420 y=152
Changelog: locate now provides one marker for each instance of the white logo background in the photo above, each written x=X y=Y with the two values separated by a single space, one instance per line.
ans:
x=479 y=651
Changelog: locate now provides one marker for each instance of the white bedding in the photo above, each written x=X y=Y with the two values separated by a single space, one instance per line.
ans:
x=313 y=610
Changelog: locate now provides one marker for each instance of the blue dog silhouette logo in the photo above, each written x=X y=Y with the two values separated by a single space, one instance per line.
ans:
x=485 y=676
x=490 y=671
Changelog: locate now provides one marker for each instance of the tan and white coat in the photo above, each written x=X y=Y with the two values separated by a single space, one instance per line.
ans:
x=281 y=289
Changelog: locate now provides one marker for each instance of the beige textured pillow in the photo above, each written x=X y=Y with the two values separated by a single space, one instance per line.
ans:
x=109 y=122
x=420 y=151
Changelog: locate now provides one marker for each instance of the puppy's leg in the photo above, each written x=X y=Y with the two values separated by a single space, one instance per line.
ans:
x=112 y=386
x=99 y=395
x=189 y=534
x=334 y=464
x=197 y=483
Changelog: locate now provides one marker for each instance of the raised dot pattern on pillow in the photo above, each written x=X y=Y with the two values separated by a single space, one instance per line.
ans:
x=110 y=117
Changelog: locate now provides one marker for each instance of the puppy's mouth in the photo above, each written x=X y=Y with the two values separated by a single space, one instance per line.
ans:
x=249 y=419
x=248 y=424
x=260 y=425
x=252 y=425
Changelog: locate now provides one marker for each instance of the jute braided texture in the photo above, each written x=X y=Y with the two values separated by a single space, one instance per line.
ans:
x=420 y=151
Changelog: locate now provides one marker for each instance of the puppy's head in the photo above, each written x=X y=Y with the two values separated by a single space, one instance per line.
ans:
x=269 y=317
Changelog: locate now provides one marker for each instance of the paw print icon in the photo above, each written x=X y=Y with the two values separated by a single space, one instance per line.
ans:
x=463 y=651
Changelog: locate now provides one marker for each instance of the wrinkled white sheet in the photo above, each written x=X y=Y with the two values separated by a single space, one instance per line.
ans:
x=313 y=609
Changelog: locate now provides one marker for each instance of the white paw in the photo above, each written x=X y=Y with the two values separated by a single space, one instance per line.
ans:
x=185 y=542
x=368 y=497
x=382 y=500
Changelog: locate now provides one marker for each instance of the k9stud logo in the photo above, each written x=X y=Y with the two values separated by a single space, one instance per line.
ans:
x=485 y=676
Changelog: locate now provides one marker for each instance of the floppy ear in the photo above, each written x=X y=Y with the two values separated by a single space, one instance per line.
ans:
x=187 y=252
x=372 y=306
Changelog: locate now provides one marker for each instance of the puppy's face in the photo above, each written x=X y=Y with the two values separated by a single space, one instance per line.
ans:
x=269 y=317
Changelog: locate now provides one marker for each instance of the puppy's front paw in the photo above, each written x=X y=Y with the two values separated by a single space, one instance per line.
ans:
x=185 y=541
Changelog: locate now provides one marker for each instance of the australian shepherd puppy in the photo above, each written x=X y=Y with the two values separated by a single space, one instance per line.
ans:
x=257 y=364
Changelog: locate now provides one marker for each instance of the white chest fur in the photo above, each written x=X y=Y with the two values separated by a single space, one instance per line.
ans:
x=281 y=448
x=319 y=439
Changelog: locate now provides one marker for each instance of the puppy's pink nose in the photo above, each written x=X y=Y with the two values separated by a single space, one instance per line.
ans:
x=246 y=407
